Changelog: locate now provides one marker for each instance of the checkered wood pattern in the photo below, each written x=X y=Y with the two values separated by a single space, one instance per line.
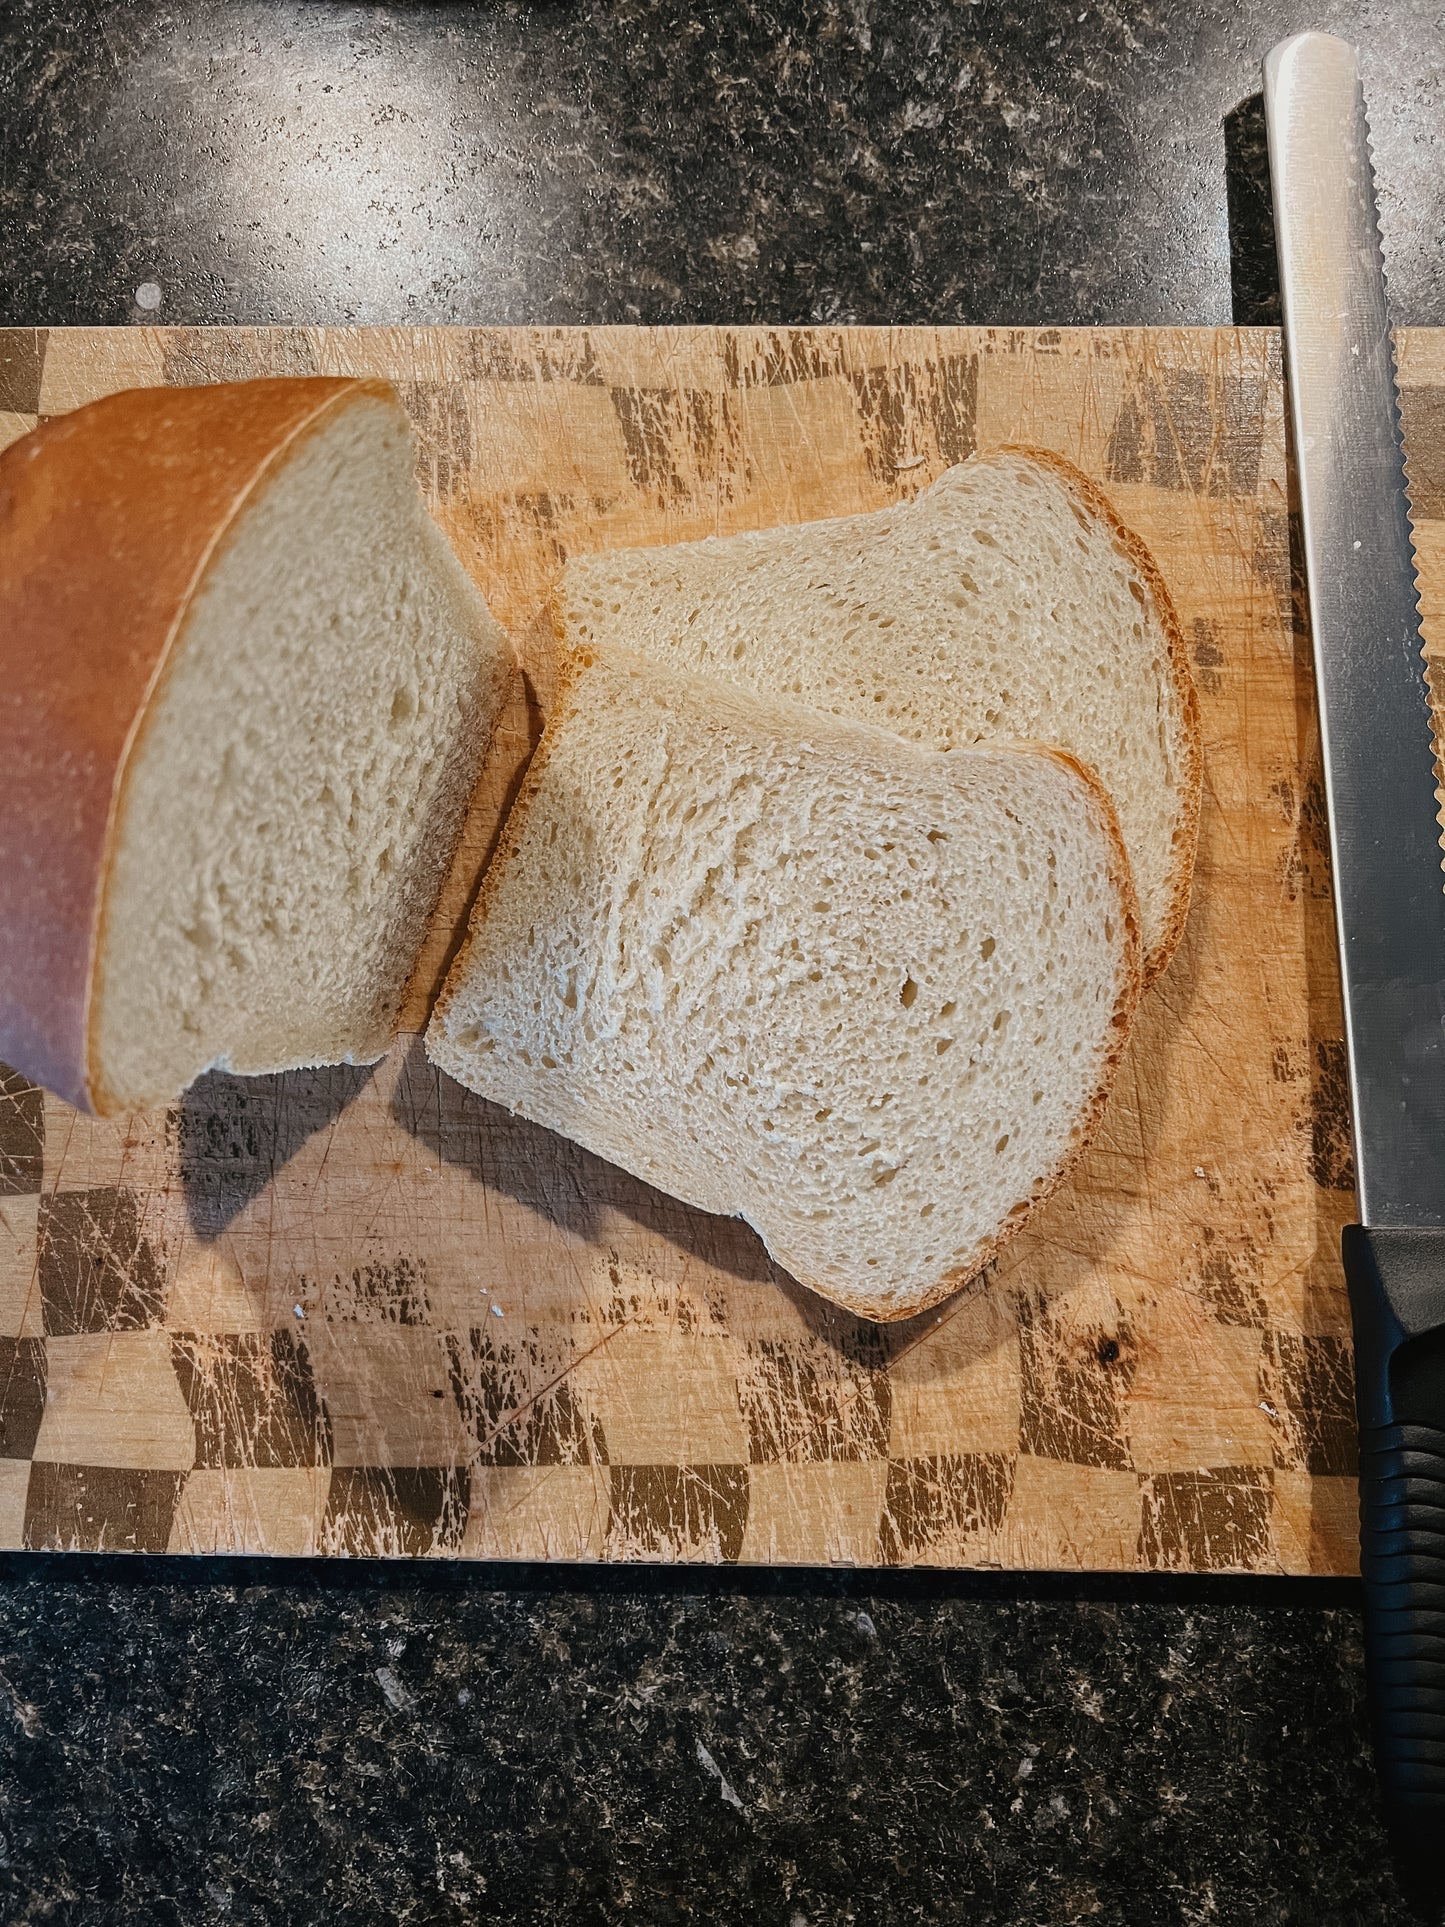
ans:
x=361 y=1311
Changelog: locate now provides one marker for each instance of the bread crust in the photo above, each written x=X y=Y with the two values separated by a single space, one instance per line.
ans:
x=871 y=1302
x=1137 y=554
x=110 y=519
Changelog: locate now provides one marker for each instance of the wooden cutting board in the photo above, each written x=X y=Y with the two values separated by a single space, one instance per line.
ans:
x=360 y=1311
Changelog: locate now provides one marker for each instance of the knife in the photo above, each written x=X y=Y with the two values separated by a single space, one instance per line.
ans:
x=1389 y=889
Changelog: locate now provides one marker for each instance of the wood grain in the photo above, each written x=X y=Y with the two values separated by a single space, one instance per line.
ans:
x=362 y=1311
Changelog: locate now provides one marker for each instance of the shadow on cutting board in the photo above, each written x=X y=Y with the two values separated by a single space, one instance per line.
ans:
x=576 y=1191
x=233 y=1134
x=556 y=1178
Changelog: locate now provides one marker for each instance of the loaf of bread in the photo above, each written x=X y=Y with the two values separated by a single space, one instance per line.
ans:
x=245 y=688
x=866 y=995
x=1007 y=601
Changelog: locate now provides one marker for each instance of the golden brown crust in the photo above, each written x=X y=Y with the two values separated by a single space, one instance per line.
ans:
x=1137 y=554
x=109 y=518
x=573 y=662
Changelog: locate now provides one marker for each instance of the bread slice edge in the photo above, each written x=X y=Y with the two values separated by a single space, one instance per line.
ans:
x=1140 y=558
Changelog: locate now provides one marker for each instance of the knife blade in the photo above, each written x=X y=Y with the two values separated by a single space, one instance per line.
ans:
x=1389 y=888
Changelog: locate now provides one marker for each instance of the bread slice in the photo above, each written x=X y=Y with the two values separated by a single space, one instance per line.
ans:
x=1006 y=601
x=863 y=994
x=245 y=688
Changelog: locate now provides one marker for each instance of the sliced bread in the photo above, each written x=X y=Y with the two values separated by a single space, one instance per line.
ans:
x=865 y=995
x=1006 y=601
x=245 y=688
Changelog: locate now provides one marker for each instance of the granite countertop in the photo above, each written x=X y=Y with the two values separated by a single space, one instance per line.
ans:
x=226 y=1743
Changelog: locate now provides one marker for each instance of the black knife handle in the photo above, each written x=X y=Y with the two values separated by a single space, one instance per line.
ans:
x=1397 y=1298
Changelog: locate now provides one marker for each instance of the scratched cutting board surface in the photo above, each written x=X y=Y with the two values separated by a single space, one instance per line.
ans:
x=360 y=1311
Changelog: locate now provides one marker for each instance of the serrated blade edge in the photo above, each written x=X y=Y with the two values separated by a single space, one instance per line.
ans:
x=1375 y=722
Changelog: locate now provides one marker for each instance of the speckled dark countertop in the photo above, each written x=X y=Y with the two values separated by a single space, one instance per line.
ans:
x=462 y=1751
x=204 y=1744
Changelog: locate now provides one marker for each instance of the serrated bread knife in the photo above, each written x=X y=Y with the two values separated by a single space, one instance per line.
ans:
x=1389 y=890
